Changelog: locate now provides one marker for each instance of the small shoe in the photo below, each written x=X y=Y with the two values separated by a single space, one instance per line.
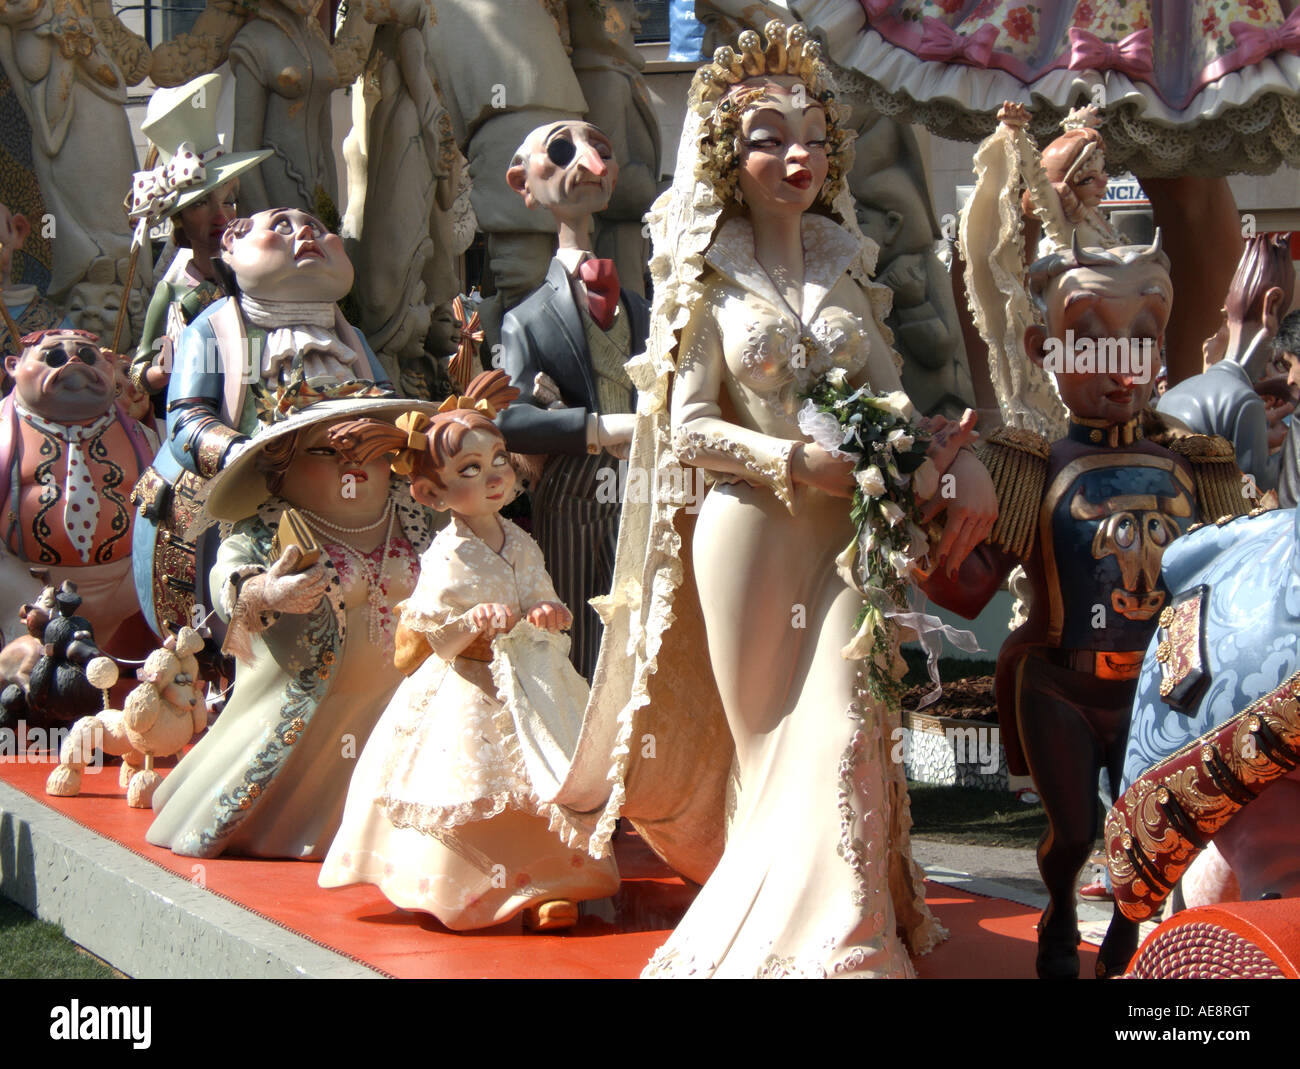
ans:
x=1096 y=891
x=551 y=916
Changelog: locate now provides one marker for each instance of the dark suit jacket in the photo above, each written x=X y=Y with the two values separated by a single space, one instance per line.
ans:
x=544 y=333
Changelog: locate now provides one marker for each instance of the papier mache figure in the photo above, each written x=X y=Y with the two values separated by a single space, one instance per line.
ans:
x=1213 y=753
x=578 y=331
x=762 y=293
x=1222 y=399
x=1088 y=516
x=69 y=459
x=29 y=309
x=196 y=185
x=282 y=328
x=313 y=631
x=1018 y=196
x=446 y=812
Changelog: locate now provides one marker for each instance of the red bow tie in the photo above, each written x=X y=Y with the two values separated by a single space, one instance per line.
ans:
x=601 y=279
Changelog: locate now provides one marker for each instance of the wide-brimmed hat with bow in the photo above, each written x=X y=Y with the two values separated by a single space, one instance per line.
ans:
x=239 y=489
x=181 y=123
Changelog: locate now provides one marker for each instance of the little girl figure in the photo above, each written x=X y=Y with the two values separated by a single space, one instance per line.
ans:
x=442 y=814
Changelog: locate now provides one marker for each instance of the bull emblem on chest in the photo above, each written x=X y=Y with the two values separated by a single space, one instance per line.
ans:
x=1134 y=529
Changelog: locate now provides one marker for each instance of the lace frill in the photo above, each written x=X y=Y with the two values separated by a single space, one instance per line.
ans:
x=872 y=809
x=995 y=286
x=1243 y=121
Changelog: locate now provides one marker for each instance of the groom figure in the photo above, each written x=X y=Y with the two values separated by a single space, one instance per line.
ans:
x=564 y=347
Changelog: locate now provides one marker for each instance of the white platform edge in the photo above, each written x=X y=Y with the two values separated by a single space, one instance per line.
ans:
x=141 y=919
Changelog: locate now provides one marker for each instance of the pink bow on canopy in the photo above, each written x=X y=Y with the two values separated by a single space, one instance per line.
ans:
x=1256 y=43
x=1131 y=56
x=941 y=42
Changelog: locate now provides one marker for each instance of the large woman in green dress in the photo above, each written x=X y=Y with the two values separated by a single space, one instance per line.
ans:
x=315 y=643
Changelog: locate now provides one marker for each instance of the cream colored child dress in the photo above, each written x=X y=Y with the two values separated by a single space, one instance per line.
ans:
x=441 y=813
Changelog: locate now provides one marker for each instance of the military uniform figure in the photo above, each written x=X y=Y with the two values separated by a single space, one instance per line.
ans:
x=1089 y=517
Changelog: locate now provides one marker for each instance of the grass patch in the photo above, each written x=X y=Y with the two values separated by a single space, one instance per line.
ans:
x=31 y=949
x=975 y=817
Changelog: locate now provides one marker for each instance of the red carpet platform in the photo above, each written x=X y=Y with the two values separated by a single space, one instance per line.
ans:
x=990 y=937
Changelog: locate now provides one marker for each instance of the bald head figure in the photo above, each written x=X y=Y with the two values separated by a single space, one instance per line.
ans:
x=569 y=169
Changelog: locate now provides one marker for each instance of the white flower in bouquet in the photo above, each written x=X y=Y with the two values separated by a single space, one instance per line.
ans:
x=837 y=376
x=925 y=480
x=870 y=481
x=918 y=544
x=892 y=512
x=900 y=439
x=897 y=403
x=823 y=428
x=901 y=563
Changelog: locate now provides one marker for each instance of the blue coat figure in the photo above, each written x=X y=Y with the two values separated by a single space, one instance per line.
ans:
x=1214 y=743
x=229 y=362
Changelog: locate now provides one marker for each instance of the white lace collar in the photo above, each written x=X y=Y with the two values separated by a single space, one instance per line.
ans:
x=829 y=251
x=460 y=533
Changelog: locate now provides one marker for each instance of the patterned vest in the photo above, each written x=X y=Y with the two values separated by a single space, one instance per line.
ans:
x=609 y=351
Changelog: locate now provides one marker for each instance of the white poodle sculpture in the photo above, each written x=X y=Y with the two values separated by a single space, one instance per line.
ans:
x=158 y=718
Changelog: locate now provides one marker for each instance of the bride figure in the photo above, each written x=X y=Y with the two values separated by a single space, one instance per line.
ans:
x=759 y=265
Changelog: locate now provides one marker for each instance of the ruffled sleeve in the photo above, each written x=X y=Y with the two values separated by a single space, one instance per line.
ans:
x=701 y=436
x=443 y=597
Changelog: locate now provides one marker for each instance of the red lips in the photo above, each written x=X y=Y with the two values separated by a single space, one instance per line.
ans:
x=801 y=179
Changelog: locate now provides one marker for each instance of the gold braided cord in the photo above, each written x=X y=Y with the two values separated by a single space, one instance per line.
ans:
x=1016 y=460
x=1218 y=479
x=1147 y=845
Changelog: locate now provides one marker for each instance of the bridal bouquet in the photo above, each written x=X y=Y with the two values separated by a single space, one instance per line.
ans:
x=892 y=472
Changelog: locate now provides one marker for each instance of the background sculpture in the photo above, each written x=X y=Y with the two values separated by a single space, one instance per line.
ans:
x=286 y=70
x=69 y=70
x=404 y=250
x=608 y=67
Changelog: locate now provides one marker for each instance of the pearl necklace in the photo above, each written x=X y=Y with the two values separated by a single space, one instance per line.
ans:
x=379 y=629
x=321 y=521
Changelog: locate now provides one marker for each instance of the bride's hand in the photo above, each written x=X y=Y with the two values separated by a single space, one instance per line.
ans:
x=972 y=512
x=949 y=437
x=814 y=466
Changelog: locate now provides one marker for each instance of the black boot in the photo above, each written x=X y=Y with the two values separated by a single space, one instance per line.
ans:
x=1058 y=945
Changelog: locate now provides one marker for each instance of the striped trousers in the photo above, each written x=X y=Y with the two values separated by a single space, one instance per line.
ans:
x=575 y=521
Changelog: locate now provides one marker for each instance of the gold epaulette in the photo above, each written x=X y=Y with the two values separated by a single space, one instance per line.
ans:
x=1017 y=462
x=1218 y=479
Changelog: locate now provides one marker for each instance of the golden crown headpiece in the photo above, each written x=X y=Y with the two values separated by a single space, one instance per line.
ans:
x=1084 y=118
x=788 y=51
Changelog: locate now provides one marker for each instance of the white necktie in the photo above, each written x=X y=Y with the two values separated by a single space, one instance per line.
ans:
x=80 y=494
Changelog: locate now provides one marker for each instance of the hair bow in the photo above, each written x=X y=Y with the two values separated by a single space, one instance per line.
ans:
x=471 y=334
x=413 y=425
x=482 y=405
